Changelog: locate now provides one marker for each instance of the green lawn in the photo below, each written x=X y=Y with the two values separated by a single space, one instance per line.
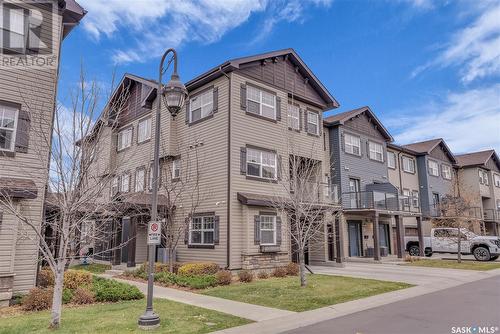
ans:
x=96 y=268
x=453 y=264
x=286 y=293
x=122 y=318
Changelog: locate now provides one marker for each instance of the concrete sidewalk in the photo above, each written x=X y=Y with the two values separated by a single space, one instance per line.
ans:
x=239 y=309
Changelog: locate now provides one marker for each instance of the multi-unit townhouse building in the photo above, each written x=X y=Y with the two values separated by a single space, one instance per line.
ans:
x=242 y=122
x=479 y=182
x=27 y=104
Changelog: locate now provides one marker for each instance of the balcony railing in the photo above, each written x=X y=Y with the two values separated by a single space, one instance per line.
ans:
x=435 y=210
x=491 y=214
x=380 y=200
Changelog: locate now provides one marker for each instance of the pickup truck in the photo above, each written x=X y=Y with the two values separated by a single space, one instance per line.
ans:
x=445 y=240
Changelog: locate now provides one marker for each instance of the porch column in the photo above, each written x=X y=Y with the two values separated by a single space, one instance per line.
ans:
x=376 y=245
x=131 y=242
x=399 y=236
x=117 y=236
x=495 y=228
x=339 y=239
x=420 y=236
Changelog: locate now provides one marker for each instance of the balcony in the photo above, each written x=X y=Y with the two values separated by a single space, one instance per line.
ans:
x=379 y=200
x=435 y=210
x=491 y=215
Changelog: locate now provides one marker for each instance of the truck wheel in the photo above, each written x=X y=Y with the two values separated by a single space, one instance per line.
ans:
x=482 y=253
x=428 y=252
x=493 y=258
x=414 y=250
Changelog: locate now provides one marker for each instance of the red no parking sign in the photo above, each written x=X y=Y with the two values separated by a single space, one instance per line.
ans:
x=154 y=233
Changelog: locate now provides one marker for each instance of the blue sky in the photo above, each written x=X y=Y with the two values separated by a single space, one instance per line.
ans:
x=426 y=68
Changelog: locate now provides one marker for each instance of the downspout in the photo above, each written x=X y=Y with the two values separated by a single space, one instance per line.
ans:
x=228 y=200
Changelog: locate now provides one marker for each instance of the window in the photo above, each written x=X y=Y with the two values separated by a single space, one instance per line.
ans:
x=140 y=177
x=313 y=122
x=433 y=167
x=406 y=197
x=124 y=138
x=261 y=164
x=483 y=177
x=201 y=106
x=267 y=230
x=376 y=151
x=446 y=172
x=125 y=184
x=114 y=185
x=14 y=33
x=391 y=160
x=408 y=164
x=176 y=168
x=496 y=180
x=327 y=191
x=352 y=144
x=293 y=117
x=498 y=204
x=144 y=130
x=414 y=198
x=8 y=126
x=202 y=230
x=260 y=102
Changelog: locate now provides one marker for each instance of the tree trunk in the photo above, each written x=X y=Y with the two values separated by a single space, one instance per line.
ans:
x=55 y=320
x=459 y=247
x=302 y=269
x=170 y=259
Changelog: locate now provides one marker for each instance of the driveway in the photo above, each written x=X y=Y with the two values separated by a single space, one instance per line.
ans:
x=471 y=305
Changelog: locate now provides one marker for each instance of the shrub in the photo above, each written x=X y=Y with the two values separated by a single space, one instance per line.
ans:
x=138 y=273
x=83 y=296
x=245 y=276
x=409 y=258
x=76 y=278
x=224 y=277
x=165 y=277
x=263 y=274
x=38 y=299
x=107 y=290
x=45 y=278
x=292 y=269
x=198 y=268
x=159 y=267
x=197 y=282
x=279 y=272
x=67 y=295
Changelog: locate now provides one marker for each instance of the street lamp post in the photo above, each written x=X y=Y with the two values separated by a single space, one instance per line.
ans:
x=174 y=93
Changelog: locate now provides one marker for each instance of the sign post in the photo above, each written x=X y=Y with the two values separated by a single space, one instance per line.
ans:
x=154 y=233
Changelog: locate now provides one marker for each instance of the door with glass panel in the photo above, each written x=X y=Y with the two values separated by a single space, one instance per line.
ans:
x=354 y=193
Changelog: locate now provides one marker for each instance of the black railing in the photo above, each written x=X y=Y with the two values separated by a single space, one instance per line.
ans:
x=380 y=200
x=437 y=210
x=491 y=214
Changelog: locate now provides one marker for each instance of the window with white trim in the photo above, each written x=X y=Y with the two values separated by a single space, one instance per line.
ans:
x=391 y=160
x=376 y=151
x=414 y=198
x=406 y=198
x=140 y=177
x=496 y=180
x=201 y=106
x=202 y=230
x=261 y=164
x=498 y=204
x=125 y=183
x=115 y=185
x=293 y=117
x=446 y=171
x=267 y=230
x=8 y=127
x=176 y=168
x=261 y=102
x=483 y=177
x=14 y=33
x=124 y=138
x=352 y=144
x=408 y=164
x=144 y=130
x=313 y=122
x=433 y=167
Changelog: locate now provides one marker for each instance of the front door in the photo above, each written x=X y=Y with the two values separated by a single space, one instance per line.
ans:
x=383 y=231
x=354 y=232
x=331 y=244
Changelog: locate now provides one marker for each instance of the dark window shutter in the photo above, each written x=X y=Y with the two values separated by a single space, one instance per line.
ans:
x=278 y=230
x=320 y=124
x=23 y=132
x=187 y=111
x=306 y=128
x=243 y=160
x=216 y=100
x=216 y=230
x=342 y=142
x=301 y=121
x=186 y=230
x=1 y=217
x=278 y=108
x=279 y=166
x=243 y=97
x=256 y=228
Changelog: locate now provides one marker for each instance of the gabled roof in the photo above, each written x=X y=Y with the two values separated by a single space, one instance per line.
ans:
x=72 y=14
x=235 y=64
x=401 y=148
x=340 y=119
x=477 y=158
x=425 y=147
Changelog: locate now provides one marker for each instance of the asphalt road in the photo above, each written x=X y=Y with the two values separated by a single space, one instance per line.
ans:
x=471 y=305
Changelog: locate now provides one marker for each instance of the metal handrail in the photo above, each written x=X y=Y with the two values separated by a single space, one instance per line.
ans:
x=380 y=200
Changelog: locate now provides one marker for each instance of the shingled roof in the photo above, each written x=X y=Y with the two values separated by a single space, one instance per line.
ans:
x=425 y=147
x=475 y=158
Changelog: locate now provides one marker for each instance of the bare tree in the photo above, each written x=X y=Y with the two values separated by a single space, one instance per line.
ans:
x=75 y=191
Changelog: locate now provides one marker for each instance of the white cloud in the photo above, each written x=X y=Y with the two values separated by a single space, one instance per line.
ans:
x=468 y=121
x=475 y=48
x=153 y=25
